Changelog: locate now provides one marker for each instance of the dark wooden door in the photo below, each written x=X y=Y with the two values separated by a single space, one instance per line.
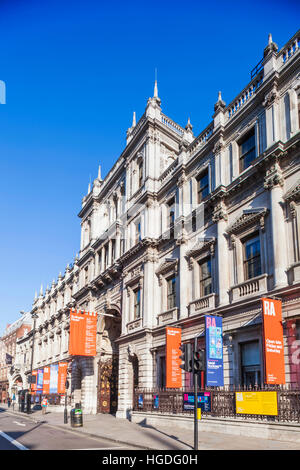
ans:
x=108 y=385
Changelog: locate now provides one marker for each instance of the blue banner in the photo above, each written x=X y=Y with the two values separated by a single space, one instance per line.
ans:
x=204 y=401
x=39 y=381
x=53 y=378
x=214 y=351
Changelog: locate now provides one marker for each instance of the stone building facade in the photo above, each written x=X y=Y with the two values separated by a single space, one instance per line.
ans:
x=182 y=226
x=8 y=356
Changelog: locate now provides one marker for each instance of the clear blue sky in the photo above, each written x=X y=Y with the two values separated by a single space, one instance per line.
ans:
x=75 y=71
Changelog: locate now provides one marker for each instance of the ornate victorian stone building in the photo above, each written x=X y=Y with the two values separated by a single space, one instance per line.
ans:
x=182 y=226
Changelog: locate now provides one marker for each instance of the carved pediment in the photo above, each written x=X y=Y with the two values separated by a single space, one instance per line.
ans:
x=293 y=194
x=249 y=217
x=168 y=265
x=202 y=245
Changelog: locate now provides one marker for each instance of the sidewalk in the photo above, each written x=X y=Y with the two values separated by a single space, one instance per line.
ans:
x=123 y=431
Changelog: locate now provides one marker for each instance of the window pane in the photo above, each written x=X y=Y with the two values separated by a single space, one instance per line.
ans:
x=250 y=354
x=252 y=259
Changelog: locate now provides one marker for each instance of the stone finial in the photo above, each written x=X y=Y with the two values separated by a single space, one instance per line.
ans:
x=155 y=94
x=271 y=47
x=270 y=39
x=89 y=188
x=220 y=104
x=41 y=291
x=133 y=119
x=189 y=126
x=99 y=173
x=35 y=295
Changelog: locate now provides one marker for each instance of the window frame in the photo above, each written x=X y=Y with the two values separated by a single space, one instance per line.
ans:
x=201 y=189
x=202 y=280
x=242 y=155
x=137 y=304
x=171 y=293
x=249 y=261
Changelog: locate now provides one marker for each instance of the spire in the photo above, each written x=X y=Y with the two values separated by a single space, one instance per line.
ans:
x=271 y=47
x=99 y=173
x=41 y=291
x=220 y=104
x=189 y=126
x=35 y=295
x=89 y=188
x=133 y=120
x=270 y=39
x=155 y=95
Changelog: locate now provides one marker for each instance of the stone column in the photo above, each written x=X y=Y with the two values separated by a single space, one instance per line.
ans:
x=220 y=217
x=274 y=183
x=184 y=289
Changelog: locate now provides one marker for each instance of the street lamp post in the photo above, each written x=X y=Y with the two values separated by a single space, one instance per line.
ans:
x=34 y=316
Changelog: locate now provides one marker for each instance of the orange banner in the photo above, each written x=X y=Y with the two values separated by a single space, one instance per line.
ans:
x=83 y=333
x=173 y=370
x=46 y=380
x=273 y=341
x=62 y=377
x=33 y=385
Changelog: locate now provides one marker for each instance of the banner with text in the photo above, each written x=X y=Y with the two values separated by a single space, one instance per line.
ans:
x=256 y=403
x=83 y=333
x=39 y=382
x=173 y=370
x=273 y=341
x=53 y=378
x=62 y=377
x=46 y=380
x=214 y=351
x=34 y=380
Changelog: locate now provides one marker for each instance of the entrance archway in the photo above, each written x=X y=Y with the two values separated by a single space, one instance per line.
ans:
x=108 y=365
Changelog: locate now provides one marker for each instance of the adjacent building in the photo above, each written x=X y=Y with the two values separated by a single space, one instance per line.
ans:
x=183 y=226
x=8 y=360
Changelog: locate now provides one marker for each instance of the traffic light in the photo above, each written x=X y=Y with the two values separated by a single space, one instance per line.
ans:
x=186 y=357
x=199 y=360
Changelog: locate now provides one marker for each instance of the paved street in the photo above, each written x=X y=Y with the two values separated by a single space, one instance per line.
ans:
x=107 y=432
x=17 y=433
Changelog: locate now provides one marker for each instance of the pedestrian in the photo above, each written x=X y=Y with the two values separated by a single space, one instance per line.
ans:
x=8 y=401
x=44 y=405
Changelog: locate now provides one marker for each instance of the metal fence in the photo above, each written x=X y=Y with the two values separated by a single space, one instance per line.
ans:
x=222 y=402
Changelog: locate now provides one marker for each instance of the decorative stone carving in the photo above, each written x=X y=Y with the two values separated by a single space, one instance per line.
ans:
x=273 y=177
x=220 y=212
x=271 y=97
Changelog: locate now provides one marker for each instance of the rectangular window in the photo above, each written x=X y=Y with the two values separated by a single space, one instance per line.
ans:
x=250 y=363
x=86 y=275
x=202 y=186
x=252 y=258
x=171 y=293
x=138 y=235
x=171 y=216
x=140 y=169
x=137 y=304
x=105 y=257
x=113 y=250
x=247 y=150
x=205 y=277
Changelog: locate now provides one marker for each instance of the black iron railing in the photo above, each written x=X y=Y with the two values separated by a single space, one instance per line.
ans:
x=222 y=402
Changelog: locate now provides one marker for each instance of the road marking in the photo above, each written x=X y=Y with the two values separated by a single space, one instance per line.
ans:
x=19 y=424
x=13 y=441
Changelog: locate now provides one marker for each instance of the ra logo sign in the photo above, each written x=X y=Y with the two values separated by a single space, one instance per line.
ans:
x=269 y=308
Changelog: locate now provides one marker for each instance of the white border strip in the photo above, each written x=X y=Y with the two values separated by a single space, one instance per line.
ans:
x=13 y=441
